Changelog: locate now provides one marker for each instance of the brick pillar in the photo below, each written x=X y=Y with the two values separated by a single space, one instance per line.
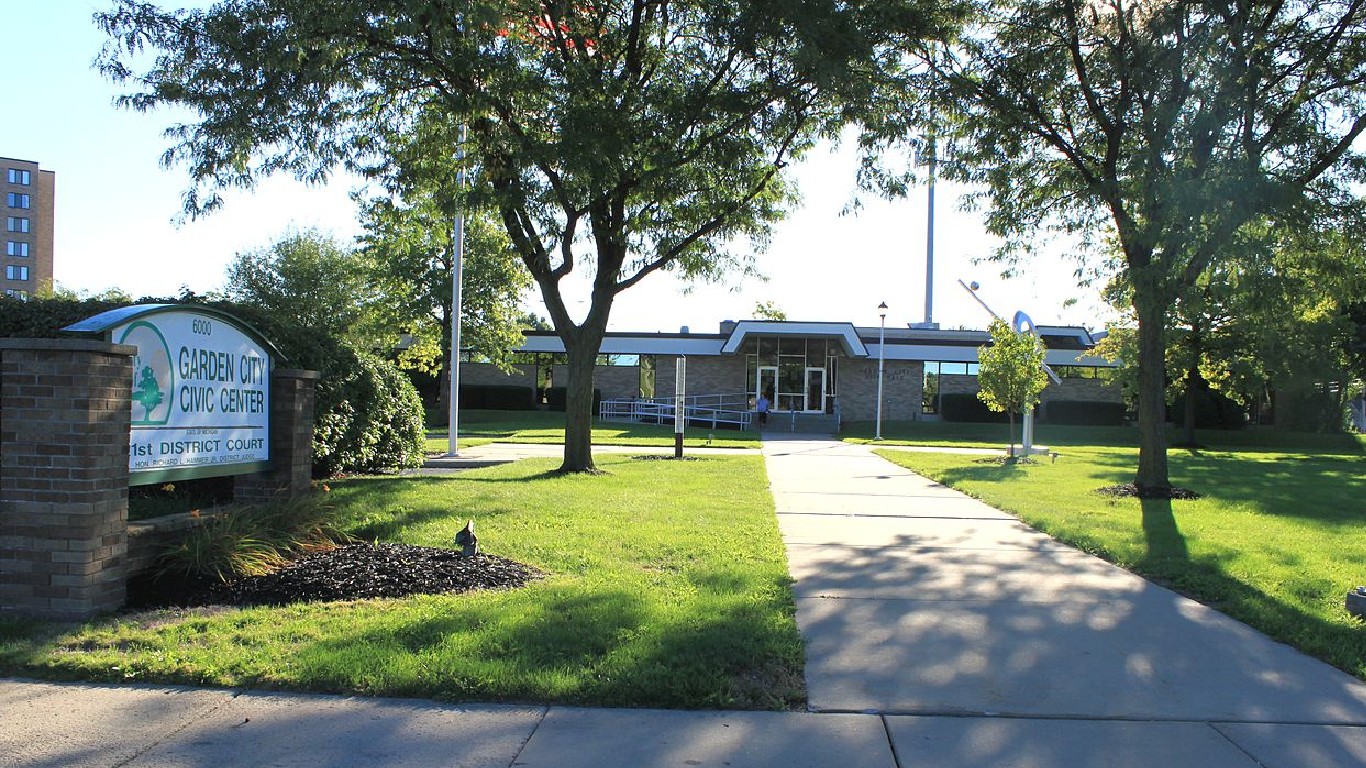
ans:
x=64 y=424
x=291 y=441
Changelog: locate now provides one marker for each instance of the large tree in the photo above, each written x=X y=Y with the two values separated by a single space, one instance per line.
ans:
x=1159 y=129
x=620 y=136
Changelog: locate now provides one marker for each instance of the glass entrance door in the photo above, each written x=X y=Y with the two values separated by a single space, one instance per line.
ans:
x=815 y=390
x=767 y=385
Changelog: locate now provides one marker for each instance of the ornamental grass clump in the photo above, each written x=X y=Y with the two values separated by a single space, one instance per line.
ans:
x=252 y=541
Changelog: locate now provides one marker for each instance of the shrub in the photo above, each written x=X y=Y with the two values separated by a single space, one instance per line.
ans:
x=368 y=417
x=1213 y=410
x=503 y=397
x=1095 y=413
x=1307 y=409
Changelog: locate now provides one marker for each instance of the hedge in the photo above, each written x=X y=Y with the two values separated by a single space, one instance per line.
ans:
x=557 y=399
x=1093 y=413
x=964 y=406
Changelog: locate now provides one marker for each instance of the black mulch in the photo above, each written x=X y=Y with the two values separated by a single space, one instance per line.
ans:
x=349 y=572
x=1130 y=491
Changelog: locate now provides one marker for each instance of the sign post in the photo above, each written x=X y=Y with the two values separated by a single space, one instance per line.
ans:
x=680 y=381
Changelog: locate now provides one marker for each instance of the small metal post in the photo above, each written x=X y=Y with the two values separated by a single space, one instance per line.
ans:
x=881 y=356
x=680 y=381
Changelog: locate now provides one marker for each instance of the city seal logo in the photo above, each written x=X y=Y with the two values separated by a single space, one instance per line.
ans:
x=153 y=376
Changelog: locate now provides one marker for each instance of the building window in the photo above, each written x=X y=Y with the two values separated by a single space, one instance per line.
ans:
x=18 y=176
x=13 y=272
x=15 y=248
x=18 y=224
x=18 y=200
x=15 y=293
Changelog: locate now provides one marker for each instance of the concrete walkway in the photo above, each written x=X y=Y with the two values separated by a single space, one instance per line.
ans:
x=940 y=632
x=1007 y=647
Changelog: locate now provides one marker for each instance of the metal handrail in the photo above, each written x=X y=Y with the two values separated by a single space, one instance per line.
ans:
x=710 y=409
x=713 y=409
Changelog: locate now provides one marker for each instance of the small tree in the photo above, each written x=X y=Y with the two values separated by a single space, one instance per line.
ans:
x=1010 y=374
x=767 y=310
x=308 y=278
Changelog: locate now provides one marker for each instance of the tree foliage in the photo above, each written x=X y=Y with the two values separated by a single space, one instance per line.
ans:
x=767 y=310
x=1159 y=132
x=1010 y=372
x=409 y=247
x=1271 y=317
x=308 y=278
x=620 y=137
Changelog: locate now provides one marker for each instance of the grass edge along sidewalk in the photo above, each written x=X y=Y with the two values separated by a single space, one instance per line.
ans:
x=1275 y=541
x=668 y=587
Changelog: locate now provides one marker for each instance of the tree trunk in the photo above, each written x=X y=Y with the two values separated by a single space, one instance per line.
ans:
x=578 y=410
x=1152 y=480
x=1010 y=417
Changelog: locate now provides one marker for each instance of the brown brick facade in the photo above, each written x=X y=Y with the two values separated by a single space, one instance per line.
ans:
x=706 y=375
x=64 y=422
x=488 y=374
x=902 y=381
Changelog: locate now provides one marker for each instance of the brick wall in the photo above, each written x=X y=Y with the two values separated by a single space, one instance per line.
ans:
x=902 y=381
x=1070 y=389
x=723 y=375
x=486 y=374
x=291 y=441
x=64 y=423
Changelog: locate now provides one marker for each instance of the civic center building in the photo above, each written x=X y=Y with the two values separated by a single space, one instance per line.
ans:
x=823 y=373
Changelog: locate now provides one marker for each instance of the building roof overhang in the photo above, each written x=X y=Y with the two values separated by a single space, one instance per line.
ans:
x=1065 y=345
x=844 y=333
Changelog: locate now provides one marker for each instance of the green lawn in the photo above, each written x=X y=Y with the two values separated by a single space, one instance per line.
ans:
x=973 y=435
x=1275 y=541
x=668 y=587
x=481 y=427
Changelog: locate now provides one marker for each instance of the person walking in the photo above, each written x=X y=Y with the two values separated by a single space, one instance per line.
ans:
x=761 y=407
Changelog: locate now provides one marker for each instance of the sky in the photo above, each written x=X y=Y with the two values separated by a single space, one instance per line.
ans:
x=117 y=209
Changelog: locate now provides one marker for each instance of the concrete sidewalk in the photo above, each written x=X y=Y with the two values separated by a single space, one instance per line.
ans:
x=48 y=725
x=917 y=600
x=940 y=632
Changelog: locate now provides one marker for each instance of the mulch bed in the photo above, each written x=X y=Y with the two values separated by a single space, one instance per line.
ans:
x=348 y=572
x=1130 y=491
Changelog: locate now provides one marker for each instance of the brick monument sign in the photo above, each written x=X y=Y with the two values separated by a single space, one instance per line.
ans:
x=153 y=393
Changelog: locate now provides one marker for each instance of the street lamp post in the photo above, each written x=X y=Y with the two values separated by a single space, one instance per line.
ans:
x=881 y=357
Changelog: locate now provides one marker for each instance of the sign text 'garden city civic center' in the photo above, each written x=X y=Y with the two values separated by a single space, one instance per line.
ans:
x=200 y=391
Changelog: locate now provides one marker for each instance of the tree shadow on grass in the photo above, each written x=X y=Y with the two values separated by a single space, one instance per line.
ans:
x=1322 y=489
x=984 y=472
x=604 y=647
x=370 y=509
x=1165 y=543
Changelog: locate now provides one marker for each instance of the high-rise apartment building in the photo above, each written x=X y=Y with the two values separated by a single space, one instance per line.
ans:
x=29 y=194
